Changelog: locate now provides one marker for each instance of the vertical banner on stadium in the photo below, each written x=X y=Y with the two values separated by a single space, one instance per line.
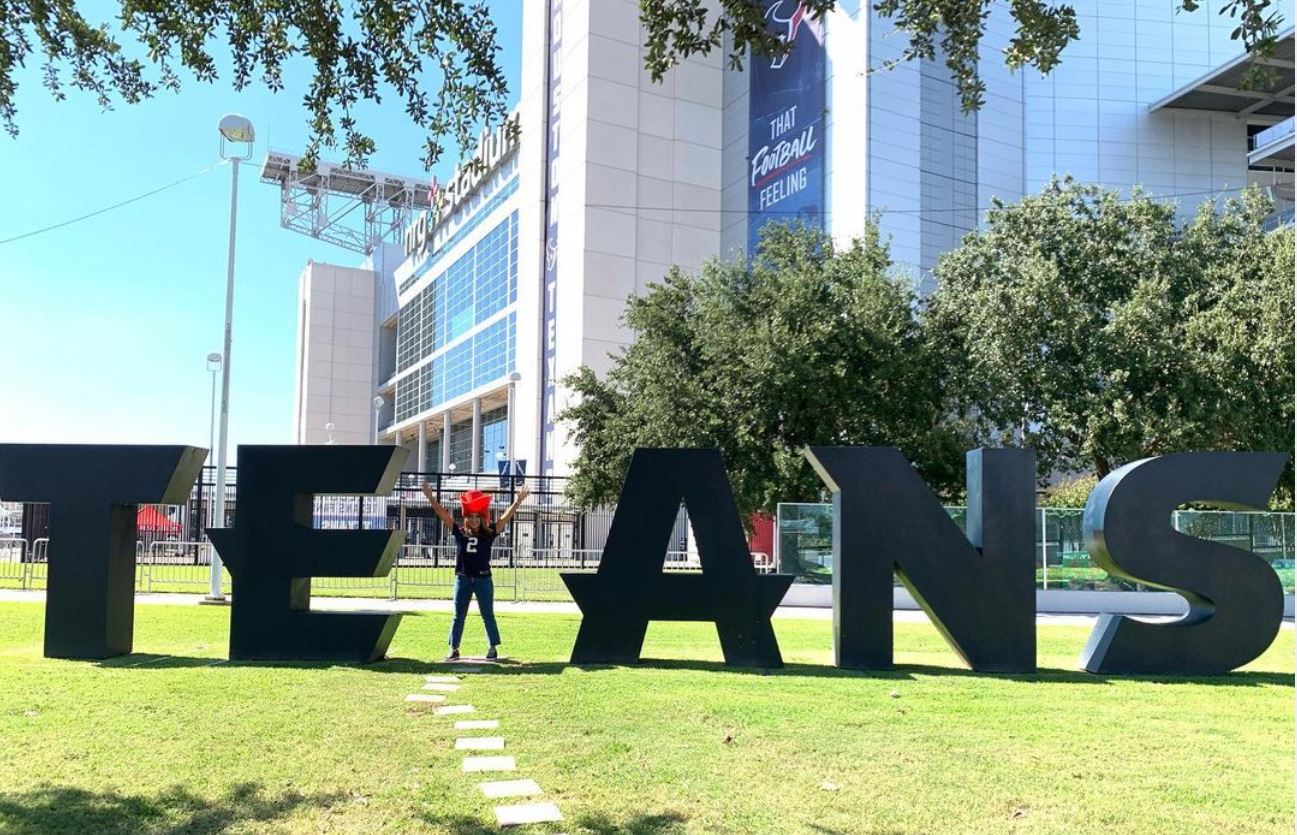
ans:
x=548 y=330
x=786 y=128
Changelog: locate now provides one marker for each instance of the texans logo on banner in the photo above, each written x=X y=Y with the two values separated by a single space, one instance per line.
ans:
x=786 y=132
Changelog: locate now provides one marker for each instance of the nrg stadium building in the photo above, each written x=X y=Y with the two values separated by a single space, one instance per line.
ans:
x=450 y=337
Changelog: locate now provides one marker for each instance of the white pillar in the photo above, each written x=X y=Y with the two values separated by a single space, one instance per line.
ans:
x=421 y=455
x=445 y=442
x=508 y=435
x=476 y=466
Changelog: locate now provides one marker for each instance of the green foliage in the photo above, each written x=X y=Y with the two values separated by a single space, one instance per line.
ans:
x=1070 y=493
x=1097 y=331
x=806 y=345
x=362 y=48
x=949 y=29
x=356 y=49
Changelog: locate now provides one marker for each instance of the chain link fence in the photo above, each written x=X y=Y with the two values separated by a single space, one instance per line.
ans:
x=804 y=543
x=546 y=537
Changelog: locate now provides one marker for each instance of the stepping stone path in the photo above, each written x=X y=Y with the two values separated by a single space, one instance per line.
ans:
x=509 y=788
x=489 y=764
x=479 y=743
x=527 y=813
x=518 y=814
x=477 y=724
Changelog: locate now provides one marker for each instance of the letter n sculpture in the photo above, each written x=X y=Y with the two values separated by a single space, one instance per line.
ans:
x=630 y=588
x=273 y=551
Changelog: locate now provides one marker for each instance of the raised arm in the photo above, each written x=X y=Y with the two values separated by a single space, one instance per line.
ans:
x=442 y=513
x=508 y=511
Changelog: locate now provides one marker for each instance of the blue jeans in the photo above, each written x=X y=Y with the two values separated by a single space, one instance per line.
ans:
x=484 y=589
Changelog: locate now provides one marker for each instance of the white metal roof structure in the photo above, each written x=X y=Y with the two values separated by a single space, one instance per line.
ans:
x=1226 y=89
x=355 y=208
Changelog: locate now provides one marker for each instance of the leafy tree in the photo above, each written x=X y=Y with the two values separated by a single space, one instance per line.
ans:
x=362 y=48
x=1098 y=331
x=805 y=345
x=1071 y=493
x=356 y=51
x=951 y=29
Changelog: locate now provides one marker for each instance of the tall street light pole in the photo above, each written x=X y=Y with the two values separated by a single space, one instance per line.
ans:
x=214 y=363
x=235 y=130
x=379 y=402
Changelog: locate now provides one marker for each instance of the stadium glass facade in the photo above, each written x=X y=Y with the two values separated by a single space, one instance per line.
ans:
x=460 y=332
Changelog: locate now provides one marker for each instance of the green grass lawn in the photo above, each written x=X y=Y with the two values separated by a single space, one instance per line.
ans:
x=172 y=740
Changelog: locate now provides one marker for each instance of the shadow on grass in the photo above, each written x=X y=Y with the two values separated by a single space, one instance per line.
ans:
x=658 y=824
x=507 y=667
x=513 y=666
x=153 y=659
x=1243 y=678
x=47 y=809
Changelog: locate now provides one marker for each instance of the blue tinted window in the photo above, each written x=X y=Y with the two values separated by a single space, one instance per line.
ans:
x=449 y=321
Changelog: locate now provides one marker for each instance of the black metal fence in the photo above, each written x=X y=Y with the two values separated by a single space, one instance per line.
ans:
x=547 y=526
x=547 y=534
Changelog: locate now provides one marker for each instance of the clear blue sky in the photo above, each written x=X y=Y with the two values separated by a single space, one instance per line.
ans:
x=105 y=324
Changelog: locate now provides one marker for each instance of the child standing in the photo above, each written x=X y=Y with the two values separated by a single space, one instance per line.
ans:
x=473 y=542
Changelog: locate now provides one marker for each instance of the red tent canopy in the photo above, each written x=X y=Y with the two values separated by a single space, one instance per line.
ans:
x=151 y=519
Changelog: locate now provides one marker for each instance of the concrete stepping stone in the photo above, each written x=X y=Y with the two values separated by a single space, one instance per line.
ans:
x=509 y=788
x=442 y=688
x=477 y=724
x=467 y=668
x=450 y=709
x=479 y=743
x=489 y=764
x=527 y=813
x=442 y=679
x=425 y=697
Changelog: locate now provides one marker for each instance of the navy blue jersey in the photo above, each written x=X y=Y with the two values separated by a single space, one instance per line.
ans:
x=473 y=551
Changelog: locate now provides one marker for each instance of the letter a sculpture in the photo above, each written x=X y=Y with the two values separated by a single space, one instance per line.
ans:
x=630 y=588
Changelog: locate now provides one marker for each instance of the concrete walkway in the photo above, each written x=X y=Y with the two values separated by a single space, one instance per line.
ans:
x=378 y=604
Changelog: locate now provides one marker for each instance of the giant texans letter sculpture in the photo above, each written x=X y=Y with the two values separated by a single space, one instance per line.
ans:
x=630 y=588
x=272 y=552
x=94 y=493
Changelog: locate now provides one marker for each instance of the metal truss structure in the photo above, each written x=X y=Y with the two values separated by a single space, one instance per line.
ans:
x=353 y=208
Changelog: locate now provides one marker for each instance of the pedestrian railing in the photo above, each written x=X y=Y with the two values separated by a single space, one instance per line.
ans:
x=420 y=571
x=13 y=560
x=167 y=565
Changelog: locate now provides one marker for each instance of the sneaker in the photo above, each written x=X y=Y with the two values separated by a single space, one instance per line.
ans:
x=491 y=654
x=453 y=655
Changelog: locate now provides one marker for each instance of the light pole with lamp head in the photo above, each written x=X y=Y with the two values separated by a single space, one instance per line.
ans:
x=508 y=451
x=235 y=130
x=379 y=402
x=213 y=365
